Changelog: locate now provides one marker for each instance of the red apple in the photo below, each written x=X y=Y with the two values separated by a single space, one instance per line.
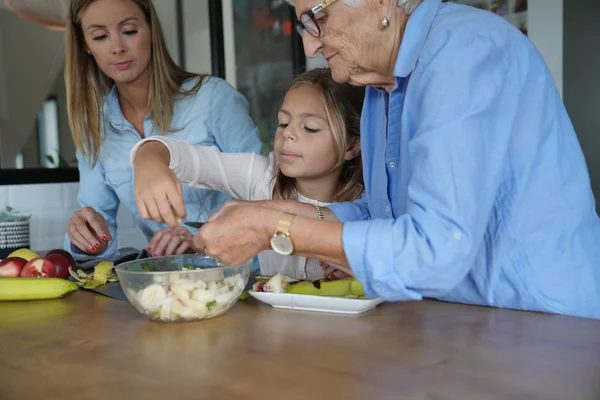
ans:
x=39 y=268
x=66 y=255
x=60 y=263
x=11 y=267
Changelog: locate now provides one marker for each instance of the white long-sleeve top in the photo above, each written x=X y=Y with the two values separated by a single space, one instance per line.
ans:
x=245 y=176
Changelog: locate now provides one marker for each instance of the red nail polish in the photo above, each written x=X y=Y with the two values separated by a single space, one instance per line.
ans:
x=149 y=249
x=104 y=238
x=97 y=246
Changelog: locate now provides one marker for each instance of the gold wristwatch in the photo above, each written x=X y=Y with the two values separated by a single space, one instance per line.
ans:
x=281 y=241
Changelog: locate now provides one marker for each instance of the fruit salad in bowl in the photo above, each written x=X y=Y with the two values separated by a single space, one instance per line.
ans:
x=182 y=288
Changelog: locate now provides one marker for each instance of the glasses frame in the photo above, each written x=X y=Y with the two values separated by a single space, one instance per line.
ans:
x=301 y=27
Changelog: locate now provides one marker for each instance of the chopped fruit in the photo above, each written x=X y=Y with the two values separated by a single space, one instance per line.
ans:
x=346 y=287
x=11 y=267
x=39 y=268
x=187 y=299
x=276 y=284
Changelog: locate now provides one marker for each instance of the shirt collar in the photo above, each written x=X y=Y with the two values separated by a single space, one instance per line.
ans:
x=115 y=115
x=417 y=28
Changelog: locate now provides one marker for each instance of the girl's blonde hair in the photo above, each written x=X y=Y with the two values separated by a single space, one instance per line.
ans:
x=343 y=106
x=87 y=85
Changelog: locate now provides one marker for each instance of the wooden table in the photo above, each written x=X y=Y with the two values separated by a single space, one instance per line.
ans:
x=88 y=346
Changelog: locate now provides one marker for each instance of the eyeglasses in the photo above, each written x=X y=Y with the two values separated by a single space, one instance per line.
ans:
x=308 y=22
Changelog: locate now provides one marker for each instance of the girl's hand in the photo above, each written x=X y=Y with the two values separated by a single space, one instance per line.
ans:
x=88 y=231
x=171 y=241
x=331 y=273
x=158 y=192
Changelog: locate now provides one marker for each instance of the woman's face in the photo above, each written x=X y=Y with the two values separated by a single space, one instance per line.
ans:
x=119 y=38
x=347 y=42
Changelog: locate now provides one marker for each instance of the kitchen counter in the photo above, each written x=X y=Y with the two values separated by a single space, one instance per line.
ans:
x=87 y=346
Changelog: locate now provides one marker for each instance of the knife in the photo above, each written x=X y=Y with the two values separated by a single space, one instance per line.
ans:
x=196 y=225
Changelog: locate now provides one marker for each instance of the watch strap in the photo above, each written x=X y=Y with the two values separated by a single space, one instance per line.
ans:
x=284 y=224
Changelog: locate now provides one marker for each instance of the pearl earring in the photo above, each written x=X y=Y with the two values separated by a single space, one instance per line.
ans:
x=385 y=22
x=89 y=52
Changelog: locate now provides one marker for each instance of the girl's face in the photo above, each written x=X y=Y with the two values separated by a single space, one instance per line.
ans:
x=119 y=38
x=304 y=144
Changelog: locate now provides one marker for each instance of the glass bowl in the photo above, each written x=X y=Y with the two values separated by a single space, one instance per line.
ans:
x=182 y=288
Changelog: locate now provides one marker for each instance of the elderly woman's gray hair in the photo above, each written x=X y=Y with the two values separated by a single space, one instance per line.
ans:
x=408 y=5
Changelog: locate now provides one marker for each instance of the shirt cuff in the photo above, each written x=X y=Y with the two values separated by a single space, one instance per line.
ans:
x=354 y=244
x=139 y=144
x=347 y=211
x=368 y=246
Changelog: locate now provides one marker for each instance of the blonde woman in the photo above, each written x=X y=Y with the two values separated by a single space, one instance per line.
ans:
x=316 y=160
x=122 y=86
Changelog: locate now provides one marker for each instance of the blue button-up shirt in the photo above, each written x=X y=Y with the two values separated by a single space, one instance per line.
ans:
x=476 y=187
x=216 y=116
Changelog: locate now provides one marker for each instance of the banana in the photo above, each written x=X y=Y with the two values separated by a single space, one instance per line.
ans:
x=15 y=289
x=337 y=288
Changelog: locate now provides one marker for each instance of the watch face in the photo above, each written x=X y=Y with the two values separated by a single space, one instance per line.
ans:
x=282 y=245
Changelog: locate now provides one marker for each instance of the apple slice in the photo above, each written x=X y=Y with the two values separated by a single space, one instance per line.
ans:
x=60 y=263
x=39 y=268
x=11 y=267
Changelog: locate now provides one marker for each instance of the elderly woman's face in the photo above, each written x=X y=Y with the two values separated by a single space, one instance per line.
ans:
x=346 y=40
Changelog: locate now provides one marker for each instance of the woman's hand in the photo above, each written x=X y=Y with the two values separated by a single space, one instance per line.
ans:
x=158 y=192
x=237 y=232
x=88 y=231
x=170 y=241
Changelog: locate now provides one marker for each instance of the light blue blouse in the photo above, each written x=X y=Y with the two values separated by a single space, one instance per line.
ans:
x=216 y=116
x=477 y=190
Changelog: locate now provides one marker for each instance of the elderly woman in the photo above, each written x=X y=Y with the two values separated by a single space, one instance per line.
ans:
x=476 y=187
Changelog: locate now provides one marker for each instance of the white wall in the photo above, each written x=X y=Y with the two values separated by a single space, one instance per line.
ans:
x=51 y=207
x=168 y=21
x=31 y=59
x=197 y=36
x=545 y=30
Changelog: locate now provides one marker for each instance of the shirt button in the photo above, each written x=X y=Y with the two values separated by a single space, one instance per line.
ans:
x=392 y=165
x=387 y=209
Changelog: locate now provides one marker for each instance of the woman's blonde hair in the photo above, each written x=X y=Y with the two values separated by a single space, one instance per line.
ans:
x=87 y=85
x=343 y=106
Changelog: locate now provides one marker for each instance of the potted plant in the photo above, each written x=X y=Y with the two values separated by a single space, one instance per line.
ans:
x=14 y=231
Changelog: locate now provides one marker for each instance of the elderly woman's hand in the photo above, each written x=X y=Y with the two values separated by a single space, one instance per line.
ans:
x=158 y=192
x=171 y=241
x=237 y=232
x=285 y=206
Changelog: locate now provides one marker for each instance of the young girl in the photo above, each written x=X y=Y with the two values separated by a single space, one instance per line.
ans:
x=316 y=159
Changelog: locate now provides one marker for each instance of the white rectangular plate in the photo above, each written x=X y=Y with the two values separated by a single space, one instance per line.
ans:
x=317 y=303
